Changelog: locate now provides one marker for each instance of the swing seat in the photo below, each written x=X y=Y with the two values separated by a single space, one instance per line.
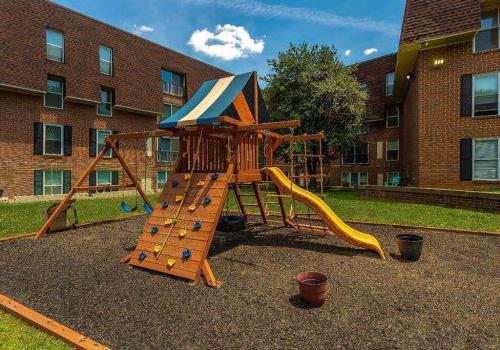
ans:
x=126 y=208
x=147 y=209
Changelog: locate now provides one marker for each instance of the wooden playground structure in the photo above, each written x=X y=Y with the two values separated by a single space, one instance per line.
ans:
x=220 y=130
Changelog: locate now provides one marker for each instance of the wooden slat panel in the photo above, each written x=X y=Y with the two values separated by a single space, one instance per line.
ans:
x=163 y=268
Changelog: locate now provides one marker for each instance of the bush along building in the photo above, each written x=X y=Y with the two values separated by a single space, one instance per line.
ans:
x=67 y=81
x=433 y=108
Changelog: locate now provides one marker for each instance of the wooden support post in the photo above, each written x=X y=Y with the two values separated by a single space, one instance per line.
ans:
x=64 y=203
x=282 y=205
x=237 y=192
x=208 y=275
x=259 y=201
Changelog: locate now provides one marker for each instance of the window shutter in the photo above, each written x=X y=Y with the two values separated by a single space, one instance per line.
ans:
x=92 y=180
x=466 y=160
x=38 y=183
x=92 y=142
x=66 y=181
x=68 y=140
x=114 y=178
x=117 y=145
x=38 y=138
x=466 y=95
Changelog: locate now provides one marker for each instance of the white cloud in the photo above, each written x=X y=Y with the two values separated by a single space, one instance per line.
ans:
x=304 y=14
x=227 y=42
x=348 y=52
x=139 y=30
x=370 y=51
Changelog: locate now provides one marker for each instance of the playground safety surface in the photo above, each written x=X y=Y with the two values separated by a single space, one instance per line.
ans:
x=449 y=299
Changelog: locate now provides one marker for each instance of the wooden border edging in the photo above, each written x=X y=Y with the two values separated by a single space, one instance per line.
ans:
x=48 y=325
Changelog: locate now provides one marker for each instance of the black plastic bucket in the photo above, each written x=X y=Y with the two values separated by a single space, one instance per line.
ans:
x=410 y=246
x=231 y=223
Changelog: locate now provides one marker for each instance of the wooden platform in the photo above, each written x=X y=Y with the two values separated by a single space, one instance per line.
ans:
x=170 y=235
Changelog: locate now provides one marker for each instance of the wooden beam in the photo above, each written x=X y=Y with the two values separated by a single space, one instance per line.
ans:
x=102 y=188
x=256 y=190
x=305 y=137
x=208 y=274
x=255 y=98
x=48 y=325
x=270 y=126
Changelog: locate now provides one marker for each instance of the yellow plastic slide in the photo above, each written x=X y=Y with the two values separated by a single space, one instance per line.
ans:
x=330 y=219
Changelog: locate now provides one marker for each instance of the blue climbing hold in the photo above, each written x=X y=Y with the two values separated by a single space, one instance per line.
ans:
x=142 y=256
x=164 y=204
x=186 y=254
x=197 y=225
x=175 y=183
x=214 y=176
x=154 y=229
x=207 y=200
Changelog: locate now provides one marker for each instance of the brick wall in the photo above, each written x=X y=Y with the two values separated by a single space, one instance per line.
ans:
x=439 y=124
x=136 y=82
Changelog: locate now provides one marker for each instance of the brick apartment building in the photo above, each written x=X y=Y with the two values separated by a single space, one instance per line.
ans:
x=433 y=109
x=66 y=81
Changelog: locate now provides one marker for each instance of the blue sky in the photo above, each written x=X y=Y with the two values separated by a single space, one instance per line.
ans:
x=240 y=35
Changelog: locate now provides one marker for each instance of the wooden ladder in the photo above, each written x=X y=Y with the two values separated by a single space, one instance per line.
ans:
x=236 y=187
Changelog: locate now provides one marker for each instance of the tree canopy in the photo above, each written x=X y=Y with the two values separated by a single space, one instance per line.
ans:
x=310 y=83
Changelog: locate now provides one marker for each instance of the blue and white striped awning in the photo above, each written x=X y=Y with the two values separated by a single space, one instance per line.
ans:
x=213 y=99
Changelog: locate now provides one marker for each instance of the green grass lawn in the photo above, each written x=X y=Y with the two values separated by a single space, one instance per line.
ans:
x=17 y=335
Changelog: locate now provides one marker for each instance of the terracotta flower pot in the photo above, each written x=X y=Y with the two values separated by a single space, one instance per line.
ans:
x=313 y=287
x=410 y=246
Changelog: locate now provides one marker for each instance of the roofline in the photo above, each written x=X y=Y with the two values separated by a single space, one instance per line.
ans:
x=376 y=58
x=52 y=2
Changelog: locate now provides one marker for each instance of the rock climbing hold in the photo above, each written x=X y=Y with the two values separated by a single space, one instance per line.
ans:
x=192 y=208
x=169 y=222
x=175 y=183
x=170 y=262
x=178 y=198
x=207 y=200
x=157 y=249
x=200 y=183
x=197 y=225
x=186 y=254
x=182 y=233
x=142 y=256
x=154 y=230
x=214 y=176
x=187 y=176
x=164 y=204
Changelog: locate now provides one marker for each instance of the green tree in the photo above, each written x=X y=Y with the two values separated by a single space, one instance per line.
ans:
x=310 y=83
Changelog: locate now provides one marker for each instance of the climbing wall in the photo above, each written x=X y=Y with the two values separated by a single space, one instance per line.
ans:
x=185 y=241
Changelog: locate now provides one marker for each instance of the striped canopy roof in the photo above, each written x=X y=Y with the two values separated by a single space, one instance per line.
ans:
x=232 y=96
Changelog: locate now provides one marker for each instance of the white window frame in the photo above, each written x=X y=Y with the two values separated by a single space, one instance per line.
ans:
x=60 y=47
x=162 y=117
x=109 y=132
x=474 y=159
x=172 y=156
x=170 y=91
x=359 y=177
x=480 y=30
x=387 y=150
x=354 y=163
x=45 y=138
x=387 y=85
x=104 y=60
x=392 y=117
x=110 y=103
x=474 y=94
x=158 y=177
x=53 y=93
x=43 y=183
x=97 y=177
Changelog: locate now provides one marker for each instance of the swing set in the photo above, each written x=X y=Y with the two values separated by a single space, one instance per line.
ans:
x=220 y=130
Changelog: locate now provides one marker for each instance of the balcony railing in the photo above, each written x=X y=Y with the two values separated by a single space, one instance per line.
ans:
x=173 y=89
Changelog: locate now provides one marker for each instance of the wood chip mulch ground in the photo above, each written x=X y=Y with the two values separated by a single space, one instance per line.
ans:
x=450 y=299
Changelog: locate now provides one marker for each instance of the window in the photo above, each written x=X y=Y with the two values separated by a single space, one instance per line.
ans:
x=486 y=98
x=486 y=159
x=392 y=116
x=168 y=110
x=363 y=129
x=55 y=45
x=104 y=177
x=55 y=92
x=106 y=60
x=389 y=84
x=357 y=154
x=392 y=149
x=161 y=178
x=363 y=86
x=391 y=175
x=488 y=38
x=168 y=149
x=354 y=179
x=104 y=108
x=53 y=139
x=173 y=83
x=101 y=144
x=52 y=182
